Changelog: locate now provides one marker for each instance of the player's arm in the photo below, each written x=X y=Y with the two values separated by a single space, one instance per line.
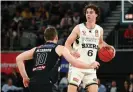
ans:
x=102 y=43
x=63 y=51
x=27 y=55
x=72 y=37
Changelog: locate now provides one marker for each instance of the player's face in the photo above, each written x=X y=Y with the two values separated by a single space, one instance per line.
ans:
x=90 y=15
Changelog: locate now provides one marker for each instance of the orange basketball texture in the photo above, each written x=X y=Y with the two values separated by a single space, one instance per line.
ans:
x=106 y=54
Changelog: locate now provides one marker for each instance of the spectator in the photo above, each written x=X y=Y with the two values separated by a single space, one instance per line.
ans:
x=5 y=16
x=40 y=36
x=10 y=87
x=126 y=87
x=67 y=6
x=131 y=82
x=113 y=87
x=13 y=39
x=26 y=14
x=128 y=84
x=130 y=27
x=4 y=77
x=61 y=10
x=17 y=23
x=5 y=38
x=54 y=13
x=63 y=37
x=32 y=7
x=55 y=88
x=131 y=78
x=28 y=39
x=44 y=14
x=76 y=18
x=16 y=78
x=33 y=26
x=63 y=83
x=17 y=18
x=66 y=21
x=55 y=5
x=131 y=87
x=101 y=87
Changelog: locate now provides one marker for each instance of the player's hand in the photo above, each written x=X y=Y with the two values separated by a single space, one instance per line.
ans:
x=75 y=54
x=95 y=65
x=26 y=82
x=111 y=47
x=114 y=50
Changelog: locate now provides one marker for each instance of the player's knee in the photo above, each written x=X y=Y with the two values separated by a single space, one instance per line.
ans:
x=72 y=88
x=92 y=88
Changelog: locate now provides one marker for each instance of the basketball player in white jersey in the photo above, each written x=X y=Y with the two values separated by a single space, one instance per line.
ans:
x=86 y=39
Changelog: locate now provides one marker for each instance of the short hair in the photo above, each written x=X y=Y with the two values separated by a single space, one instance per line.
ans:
x=50 y=33
x=95 y=8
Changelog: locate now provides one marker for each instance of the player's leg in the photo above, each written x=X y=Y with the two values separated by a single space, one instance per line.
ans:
x=90 y=82
x=92 y=88
x=35 y=87
x=72 y=88
x=74 y=78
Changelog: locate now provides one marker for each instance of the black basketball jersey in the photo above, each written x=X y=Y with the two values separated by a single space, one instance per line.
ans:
x=46 y=60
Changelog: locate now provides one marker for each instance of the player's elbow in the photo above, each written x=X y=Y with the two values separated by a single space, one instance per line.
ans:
x=66 y=43
x=17 y=59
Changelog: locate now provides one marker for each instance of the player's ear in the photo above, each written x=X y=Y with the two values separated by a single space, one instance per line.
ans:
x=56 y=37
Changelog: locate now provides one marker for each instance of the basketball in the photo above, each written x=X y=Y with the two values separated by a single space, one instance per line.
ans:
x=106 y=54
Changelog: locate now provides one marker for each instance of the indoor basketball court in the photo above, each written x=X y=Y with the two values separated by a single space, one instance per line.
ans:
x=23 y=24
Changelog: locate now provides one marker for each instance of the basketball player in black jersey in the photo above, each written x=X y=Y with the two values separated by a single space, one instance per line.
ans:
x=45 y=57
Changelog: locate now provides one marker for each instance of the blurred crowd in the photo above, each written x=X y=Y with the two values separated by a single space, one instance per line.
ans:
x=23 y=22
x=13 y=83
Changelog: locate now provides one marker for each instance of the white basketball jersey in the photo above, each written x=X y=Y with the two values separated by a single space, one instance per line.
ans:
x=87 y=45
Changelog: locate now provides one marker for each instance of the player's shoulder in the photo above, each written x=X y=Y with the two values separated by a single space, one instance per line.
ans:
x=60 y=46
x=59 y=49
x=99 y=27
x=79 y=24
x=77 y=27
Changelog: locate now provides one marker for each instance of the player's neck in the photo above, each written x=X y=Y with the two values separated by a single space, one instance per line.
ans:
x=54 y=41
x=90 y=25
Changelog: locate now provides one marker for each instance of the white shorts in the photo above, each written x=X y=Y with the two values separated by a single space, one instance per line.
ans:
x=75 y=77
